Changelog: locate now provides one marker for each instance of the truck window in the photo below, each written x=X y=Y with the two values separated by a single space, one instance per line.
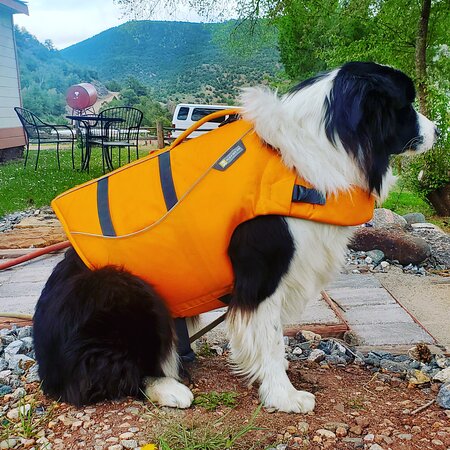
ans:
x=199 y=113
x=183 y=113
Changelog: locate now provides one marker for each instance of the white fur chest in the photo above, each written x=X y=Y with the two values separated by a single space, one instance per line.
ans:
x=319 y=253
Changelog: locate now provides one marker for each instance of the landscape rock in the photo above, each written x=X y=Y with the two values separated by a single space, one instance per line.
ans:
x=393 y=366
x=404 y=436
x=439 y=243
x=333 y=426
x=377 y=256
x=309 y=336
x=14 y=348
x=375 y=447
x=395 y=244
x=416 y=377
x=20 y=363
x=442 y=361
x=385 y=218
x=129 y=443
x=327 y=434
x=5 y=389
x=32 y=375
x=443 y=375
x=8 y=443
x=414 y=218
x=316 y=355
x=303 y=427
x=443 y=397
x=24 y=332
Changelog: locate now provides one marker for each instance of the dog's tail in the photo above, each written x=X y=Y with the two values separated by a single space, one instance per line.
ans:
x=99 y=333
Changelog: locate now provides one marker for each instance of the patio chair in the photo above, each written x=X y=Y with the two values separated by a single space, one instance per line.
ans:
x=122 y=131
x=39 y=132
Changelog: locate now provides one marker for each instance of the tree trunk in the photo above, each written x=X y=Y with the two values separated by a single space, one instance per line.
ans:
x=440 y=199
x=421 y=55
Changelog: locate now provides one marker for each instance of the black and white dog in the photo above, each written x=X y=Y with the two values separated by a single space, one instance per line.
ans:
x=105 y=334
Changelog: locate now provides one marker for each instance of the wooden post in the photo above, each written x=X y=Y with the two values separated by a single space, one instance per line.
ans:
x=160 y=134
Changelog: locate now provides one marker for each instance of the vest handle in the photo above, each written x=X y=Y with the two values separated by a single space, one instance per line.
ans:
x=199 y=123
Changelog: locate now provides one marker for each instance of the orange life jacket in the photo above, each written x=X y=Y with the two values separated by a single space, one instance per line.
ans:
x=169 y=217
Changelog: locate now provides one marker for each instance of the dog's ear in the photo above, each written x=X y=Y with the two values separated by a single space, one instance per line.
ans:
x=360 y=112
x=367 y=89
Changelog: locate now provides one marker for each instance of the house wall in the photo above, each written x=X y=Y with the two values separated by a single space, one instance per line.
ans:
x=12 y=138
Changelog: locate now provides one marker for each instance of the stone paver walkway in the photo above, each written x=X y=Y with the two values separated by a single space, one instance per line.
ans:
x=371 y=312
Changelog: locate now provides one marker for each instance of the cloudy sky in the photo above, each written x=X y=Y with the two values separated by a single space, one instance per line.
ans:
x=67 y=22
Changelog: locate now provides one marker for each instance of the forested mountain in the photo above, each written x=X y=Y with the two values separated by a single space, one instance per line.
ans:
x=152 y=64
x=178 y=60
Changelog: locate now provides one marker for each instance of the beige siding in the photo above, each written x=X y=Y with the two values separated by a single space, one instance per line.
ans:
x=9 y=83
x=10 y=126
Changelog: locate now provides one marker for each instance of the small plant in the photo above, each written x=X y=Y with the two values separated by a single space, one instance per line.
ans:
x=212 y=400
x=6 y=430
x=356 y=403
x=205 y=350
x=30 y=421
x=207 y=436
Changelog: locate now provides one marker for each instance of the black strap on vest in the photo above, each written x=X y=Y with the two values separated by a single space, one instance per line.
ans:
x=226 y=299
x=184 y=349
x=104 y=214
x=302 y=194
x=165 y=175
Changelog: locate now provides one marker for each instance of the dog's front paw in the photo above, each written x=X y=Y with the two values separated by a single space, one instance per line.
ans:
x=289 y=400
x=168 y=392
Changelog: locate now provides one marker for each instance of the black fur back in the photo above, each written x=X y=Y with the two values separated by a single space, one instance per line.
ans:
x=97 y=334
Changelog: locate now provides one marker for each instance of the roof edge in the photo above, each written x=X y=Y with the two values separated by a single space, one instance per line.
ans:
x=16 y=5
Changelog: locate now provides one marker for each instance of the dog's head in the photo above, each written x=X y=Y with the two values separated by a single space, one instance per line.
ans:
x=370 y=111
x=363 y=110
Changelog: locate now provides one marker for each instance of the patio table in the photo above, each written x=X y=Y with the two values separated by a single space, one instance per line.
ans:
x=89 y=122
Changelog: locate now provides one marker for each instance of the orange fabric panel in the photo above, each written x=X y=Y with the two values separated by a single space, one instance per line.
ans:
x=182 y=253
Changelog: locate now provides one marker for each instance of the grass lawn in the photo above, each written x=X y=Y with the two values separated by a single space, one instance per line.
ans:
x=403 y=202
x=21 y=188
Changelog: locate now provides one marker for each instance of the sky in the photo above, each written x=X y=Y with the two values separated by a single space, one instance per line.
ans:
x=67 y=22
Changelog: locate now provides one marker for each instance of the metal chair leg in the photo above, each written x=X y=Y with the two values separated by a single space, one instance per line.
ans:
x=26 y=155
x=73 y=158
x=37 y=156
x=57 y=155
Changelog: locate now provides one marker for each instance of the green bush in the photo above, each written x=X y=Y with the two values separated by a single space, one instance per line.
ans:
x=431 y=171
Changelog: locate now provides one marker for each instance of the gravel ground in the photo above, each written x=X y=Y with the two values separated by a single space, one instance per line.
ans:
x=364 y=400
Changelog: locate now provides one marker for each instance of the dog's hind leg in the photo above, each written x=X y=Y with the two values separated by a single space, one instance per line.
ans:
x=257 y=351
x=167 y=390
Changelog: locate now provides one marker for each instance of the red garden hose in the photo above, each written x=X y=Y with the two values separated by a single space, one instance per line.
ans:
x=35 y=254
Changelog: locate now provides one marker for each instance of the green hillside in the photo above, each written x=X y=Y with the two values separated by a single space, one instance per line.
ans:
x=178 y=60
x=45 y=76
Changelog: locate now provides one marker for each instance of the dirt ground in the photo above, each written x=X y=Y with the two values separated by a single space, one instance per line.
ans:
x=355 y=409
